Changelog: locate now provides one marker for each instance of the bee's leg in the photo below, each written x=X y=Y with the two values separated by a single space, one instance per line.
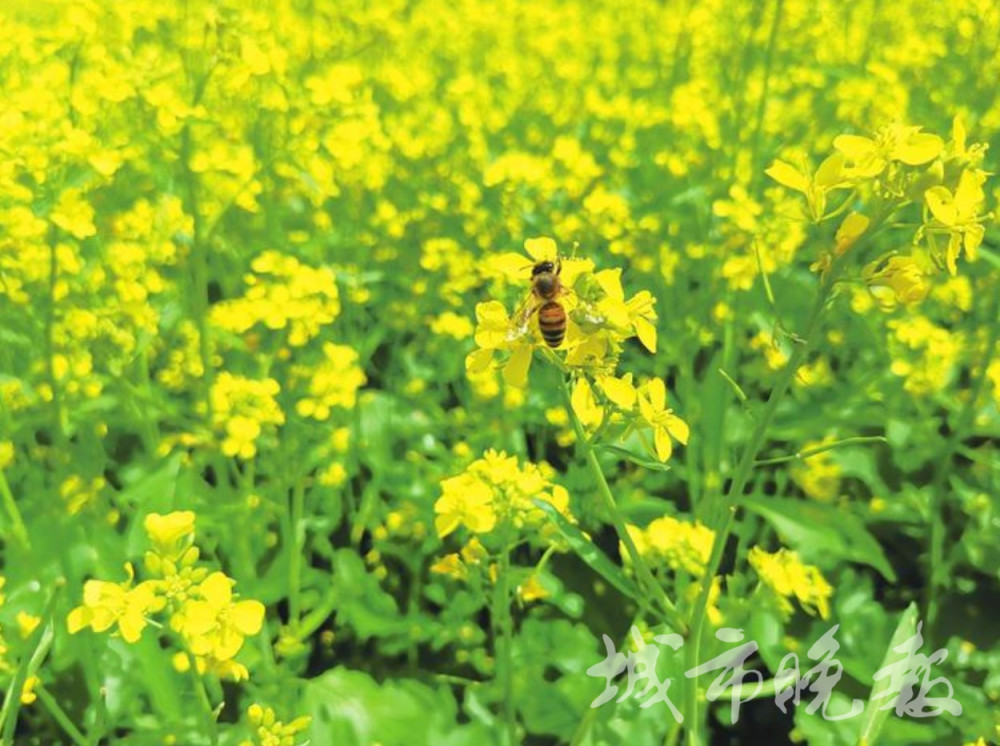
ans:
x=527 y=310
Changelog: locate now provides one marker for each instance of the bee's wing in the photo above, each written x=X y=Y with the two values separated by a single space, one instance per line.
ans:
x=528 y=306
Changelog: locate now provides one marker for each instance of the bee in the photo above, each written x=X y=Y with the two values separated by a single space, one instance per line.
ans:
x=546 y=287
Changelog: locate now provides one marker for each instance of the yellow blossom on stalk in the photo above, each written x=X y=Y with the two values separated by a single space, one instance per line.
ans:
x=599 y=316
x=332 y=383
x=869 y=157
x=173 y=556
x=634 y=316
x=215 y=625
x=465 y=501
x=677 y=544
x=897 y=280
x=282 y=294
x=785 y=574
x=960 y=151
x=74 y=214
x=269 y=731
x=854 y=225
x=452 y=566
x=172 y=534
x=108 y=604
x=652 y=398
x=28 y=695
x=496 y=331
x=815 y=186
x=585 y=405
x=241 y=408
x=27 y=623
x=532 y=590
x=229 y=669
x=958 y=215
x=516 y=267
x=492 y=489
x=619 y=391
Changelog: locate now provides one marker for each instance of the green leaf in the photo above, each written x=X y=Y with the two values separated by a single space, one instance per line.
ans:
x=362 y=604
x=876 y=712
x=590 y=554
x=817 y=531
x=349 y=708
x=639 y=459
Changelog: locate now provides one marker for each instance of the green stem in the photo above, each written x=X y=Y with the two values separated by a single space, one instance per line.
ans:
x=207 y=713
x=10 y=504
x=740 y=479
x=505 y=653
x=59 y=433
x=296 y=547
x=642 y=571
x=59 y=715
x=800 y=455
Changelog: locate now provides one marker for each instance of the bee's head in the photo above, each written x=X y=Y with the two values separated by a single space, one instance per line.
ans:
x=545 y=267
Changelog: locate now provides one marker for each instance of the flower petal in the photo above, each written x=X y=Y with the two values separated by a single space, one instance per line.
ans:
x=657 y=391
x=787 y=175
x=941 y=204
x=918 y=148
x=646 y=332
x=478 y=361
x=515 y=372
x=678 y=429
x=830 y=172
x=247 y=616
x=855 y=147
x=619 y=390
x=585 y=405
x=541 y=249
x=664 y=446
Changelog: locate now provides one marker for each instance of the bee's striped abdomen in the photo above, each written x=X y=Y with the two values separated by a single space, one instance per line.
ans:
x=552 y=323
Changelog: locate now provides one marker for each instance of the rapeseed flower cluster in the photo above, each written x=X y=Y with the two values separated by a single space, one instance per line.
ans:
x=495 y=501
x=898 y=167
x=494 y=491
x=244 y=410
x=282 y=295
x=196 y=603
x=786 y=577
x=600 y=318
x=676 y=544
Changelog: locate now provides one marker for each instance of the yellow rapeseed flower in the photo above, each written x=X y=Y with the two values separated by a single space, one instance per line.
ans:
x=215 y=625
x=652 y=398
x=171 y=534
x=958 y=215
x=108 y=604
x=869 y=157
x=785 y=574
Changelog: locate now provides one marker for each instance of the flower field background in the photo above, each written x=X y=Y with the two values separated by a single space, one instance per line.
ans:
x=286 y=458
